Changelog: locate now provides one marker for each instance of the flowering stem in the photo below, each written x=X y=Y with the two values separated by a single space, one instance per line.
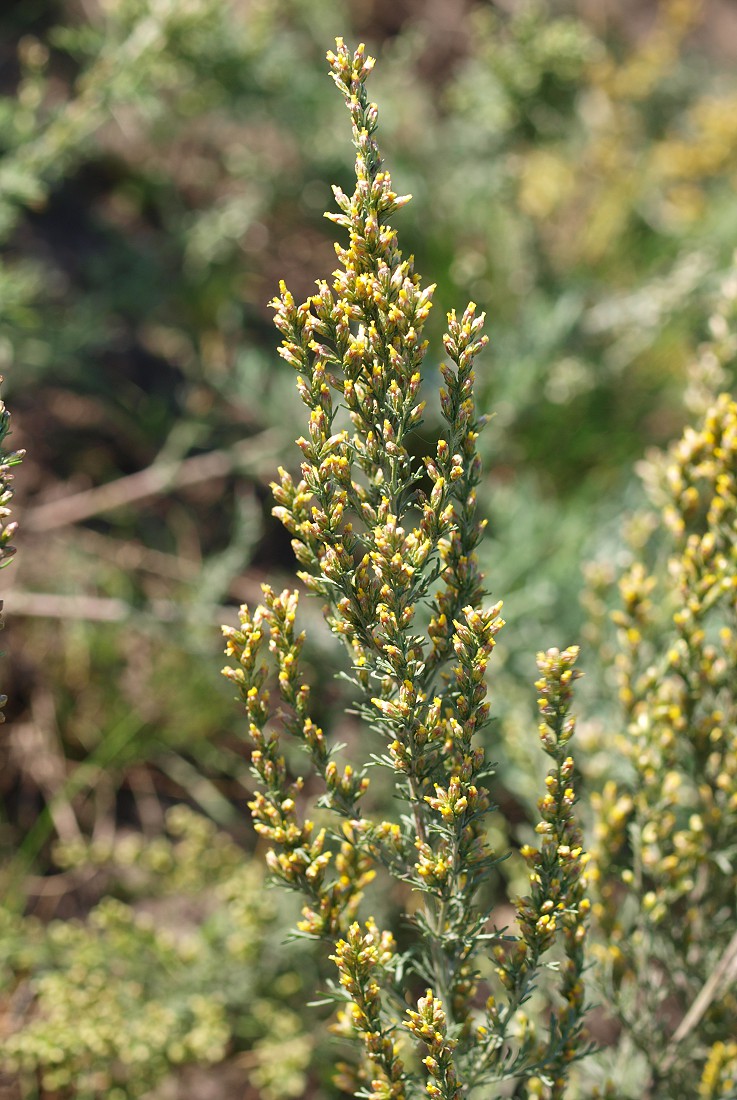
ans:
x=396 y=569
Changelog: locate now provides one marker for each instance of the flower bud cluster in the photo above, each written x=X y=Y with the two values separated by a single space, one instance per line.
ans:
x=298 y=855
x=455 y=838
x=429 y=1025
x=459 y=466
x=360 y=957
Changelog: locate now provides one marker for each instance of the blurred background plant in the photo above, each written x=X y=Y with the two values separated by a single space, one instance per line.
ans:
x=8 y=527
x=156 y=980
x=163 y=164
x=663 y=841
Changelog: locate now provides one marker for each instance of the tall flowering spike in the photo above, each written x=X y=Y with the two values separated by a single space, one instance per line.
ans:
x=8 y=527
x=395 y=567
x=362 y=339
x=557 y=876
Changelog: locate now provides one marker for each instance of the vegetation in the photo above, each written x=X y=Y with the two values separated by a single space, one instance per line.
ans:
x=666 y=905
x=8 y=527
x=163 y=165
x=406 y=602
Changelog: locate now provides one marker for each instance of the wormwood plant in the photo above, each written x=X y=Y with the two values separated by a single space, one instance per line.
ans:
x=8 y=527
x=665 y=847
x=396 y=569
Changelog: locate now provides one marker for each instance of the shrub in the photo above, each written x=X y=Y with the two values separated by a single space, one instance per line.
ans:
x=186 y=971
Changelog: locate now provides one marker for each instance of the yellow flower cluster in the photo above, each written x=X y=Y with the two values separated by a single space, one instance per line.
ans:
x=719 y=1078
x=358 y=957
x=430 y=1026
x=298 y=855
